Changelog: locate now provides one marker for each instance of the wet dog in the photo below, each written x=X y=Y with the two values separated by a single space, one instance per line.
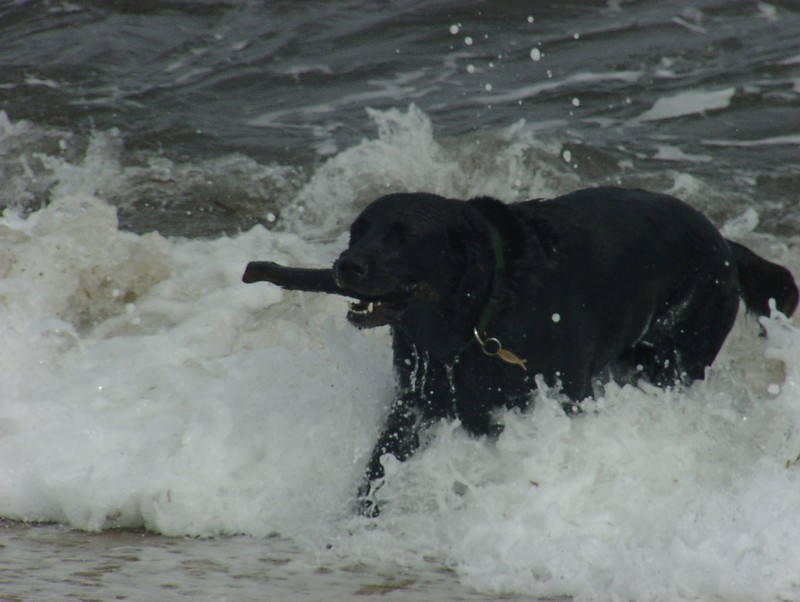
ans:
x=482 y=296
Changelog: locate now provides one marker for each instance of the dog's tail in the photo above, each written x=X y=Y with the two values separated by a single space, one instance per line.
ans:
x=761 y=280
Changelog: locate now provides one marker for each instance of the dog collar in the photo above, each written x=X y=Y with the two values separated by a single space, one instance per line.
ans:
x=498 y=276
x=490 y=345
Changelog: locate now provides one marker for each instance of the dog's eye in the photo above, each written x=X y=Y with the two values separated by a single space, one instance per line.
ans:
x=358 y=229
x=397 y=234
x=456 y=241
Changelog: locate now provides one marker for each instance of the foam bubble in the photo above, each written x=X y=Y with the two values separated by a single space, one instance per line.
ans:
x=689 y=103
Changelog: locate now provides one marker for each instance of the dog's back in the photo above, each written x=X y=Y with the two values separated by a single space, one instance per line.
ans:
x=638 y=227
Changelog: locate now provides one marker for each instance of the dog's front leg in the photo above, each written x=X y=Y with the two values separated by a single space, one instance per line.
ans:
x=424 y=397
x=400 y=438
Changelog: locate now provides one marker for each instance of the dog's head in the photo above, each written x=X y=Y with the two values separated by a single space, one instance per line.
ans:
x=406 y=250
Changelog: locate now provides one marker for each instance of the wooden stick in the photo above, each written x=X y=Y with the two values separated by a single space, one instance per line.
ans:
x=313 y=280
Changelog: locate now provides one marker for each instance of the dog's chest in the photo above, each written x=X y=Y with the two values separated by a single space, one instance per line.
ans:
x=467 y=387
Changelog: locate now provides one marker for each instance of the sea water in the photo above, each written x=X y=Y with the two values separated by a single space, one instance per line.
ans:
x=168 y=432
x=146 y=387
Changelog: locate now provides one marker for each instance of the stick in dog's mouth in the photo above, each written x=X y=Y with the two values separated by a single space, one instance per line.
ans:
x=367 y=311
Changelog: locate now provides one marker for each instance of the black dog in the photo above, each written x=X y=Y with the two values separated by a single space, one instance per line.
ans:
x=482 y=297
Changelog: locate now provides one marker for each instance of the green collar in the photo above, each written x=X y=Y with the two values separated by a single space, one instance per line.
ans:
x=498 y=277
x=490 y=345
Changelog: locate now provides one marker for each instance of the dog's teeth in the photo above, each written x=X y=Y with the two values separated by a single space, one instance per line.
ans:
x=363 y=311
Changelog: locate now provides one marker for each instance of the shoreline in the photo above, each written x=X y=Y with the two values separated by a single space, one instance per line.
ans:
x=48 y=561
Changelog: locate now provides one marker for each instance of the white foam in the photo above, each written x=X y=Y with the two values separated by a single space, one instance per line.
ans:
x=184 y=397
x=688 y=103
x=532 y=90
x=667 y=152
x=792 y=60
x=145 y=385
x=406 y=156
x=788 y=139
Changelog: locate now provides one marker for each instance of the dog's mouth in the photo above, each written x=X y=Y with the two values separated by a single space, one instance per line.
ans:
x=371 y=312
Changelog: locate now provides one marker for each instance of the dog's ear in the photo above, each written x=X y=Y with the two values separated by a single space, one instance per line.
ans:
x=504 y=221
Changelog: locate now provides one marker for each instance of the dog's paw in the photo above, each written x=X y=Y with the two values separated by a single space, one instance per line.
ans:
x=366 y=502
x=368 y=508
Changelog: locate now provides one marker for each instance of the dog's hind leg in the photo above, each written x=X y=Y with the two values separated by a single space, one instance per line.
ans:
x=654 y=361
x=686 y=337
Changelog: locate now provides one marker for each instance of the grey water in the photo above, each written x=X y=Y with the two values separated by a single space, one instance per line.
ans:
x=287 y=84
x=213 y=115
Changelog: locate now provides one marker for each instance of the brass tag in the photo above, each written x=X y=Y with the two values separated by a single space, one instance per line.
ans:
x=492 y=347
x=510 y=357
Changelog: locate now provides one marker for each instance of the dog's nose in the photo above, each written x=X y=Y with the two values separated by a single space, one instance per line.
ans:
x=351 y=270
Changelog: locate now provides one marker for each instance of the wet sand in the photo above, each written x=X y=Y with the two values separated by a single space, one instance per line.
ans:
x=54 y=562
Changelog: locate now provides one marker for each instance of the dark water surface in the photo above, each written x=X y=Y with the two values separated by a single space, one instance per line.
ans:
x=287 y=83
